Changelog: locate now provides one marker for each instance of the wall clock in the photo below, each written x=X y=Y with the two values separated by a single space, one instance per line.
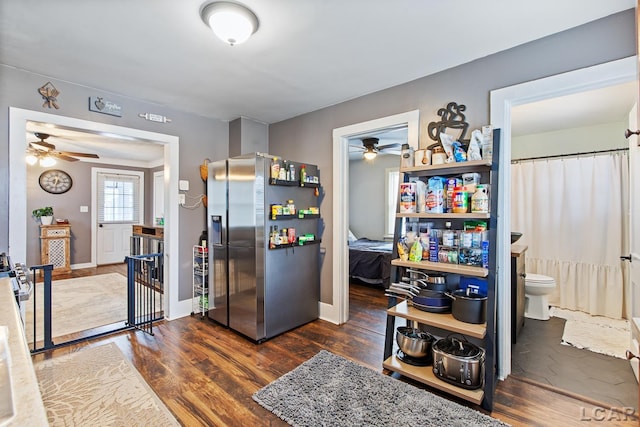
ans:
x=55 y=181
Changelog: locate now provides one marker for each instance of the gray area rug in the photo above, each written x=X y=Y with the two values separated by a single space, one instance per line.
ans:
x=329 y=390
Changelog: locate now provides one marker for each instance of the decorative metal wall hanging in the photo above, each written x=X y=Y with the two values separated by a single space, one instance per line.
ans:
x=154 y=117
x=452 y=118
x=49 y=94
x=104 y=106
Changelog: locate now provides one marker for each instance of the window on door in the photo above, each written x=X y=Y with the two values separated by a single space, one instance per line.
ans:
x=118 y=198
x=392 y=180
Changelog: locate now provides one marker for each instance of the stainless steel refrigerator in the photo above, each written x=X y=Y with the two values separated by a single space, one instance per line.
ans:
x=256 y=290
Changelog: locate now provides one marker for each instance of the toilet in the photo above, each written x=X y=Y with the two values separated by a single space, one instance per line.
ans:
x=536 y=289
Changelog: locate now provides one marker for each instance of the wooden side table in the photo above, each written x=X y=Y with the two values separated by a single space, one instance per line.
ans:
x=55 y=247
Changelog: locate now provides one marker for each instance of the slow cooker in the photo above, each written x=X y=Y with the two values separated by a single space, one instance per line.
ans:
x=459 y=362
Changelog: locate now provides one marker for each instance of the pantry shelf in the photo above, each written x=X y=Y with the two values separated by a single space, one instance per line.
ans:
x=438 y=320
x=448 y=168
x=445 y=215
x=424 y=374
x=443 y=267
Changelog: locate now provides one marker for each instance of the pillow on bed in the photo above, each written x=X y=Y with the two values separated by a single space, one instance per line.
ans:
x=352 y=237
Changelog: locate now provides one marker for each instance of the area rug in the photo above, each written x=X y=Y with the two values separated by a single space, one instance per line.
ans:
x=594 y=333
x=79 y=304
x=98 y=386
x=329 y=390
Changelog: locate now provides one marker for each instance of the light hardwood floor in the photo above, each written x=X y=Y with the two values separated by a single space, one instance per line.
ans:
x=206 y=374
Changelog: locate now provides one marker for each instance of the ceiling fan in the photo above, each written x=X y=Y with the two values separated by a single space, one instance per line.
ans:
x=46 y=152
x=371 y=147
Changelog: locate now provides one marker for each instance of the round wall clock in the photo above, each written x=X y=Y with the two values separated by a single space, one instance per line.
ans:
x=55 y=181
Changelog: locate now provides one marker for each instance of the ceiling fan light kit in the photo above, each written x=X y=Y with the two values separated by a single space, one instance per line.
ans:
x=46 y=153
x=371 y=148
x=370 y=154
x=232 y=22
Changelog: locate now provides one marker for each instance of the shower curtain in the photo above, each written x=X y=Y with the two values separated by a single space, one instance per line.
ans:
x=572 y=212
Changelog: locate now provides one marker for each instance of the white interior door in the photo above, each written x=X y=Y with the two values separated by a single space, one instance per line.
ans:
x=634 y=235
x=119 y=205
x=158 y=195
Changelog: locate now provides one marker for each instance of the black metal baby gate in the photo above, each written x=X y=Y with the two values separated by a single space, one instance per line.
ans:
x=144 y=302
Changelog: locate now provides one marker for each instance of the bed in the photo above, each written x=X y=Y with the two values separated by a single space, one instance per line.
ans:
x=370 y=261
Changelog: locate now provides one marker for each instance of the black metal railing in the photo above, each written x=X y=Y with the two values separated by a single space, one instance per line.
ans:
x=145 y=291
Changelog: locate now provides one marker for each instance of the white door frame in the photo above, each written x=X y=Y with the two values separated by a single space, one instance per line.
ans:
x=94 y=204
x=502 y=100
x=18 y=119
x=338 y=311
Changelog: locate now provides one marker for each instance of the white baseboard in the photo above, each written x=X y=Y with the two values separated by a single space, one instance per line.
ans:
x=84 y=265
x=329 y=313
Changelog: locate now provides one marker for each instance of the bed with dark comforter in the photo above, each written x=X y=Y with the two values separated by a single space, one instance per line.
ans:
x=370 y=261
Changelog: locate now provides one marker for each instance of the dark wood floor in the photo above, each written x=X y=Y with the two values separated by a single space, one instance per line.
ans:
x=207 y=374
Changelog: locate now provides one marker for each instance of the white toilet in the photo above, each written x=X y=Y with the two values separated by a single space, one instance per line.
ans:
x=536 y=289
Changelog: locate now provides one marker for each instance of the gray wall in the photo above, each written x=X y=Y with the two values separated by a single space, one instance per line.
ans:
x=247 y=136
x=67 y=206
x=200 y=137
x=309 y=136
x=367 y=195
x=604 y=136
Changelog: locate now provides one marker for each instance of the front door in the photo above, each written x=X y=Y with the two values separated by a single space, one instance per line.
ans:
x=120 y=201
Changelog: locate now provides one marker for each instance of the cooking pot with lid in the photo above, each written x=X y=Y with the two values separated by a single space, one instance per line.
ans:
x=468 y=307
x=459 y=362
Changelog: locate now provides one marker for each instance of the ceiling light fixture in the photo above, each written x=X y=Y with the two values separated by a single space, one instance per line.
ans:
x=47 y=161
x=370 y=154
x=33 y=157
x=233 y=22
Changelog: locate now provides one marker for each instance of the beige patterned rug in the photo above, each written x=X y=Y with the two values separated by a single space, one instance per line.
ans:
x=80 y=304
x=98 y=386
x=594 y=333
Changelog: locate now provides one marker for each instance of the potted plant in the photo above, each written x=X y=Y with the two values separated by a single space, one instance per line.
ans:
x=44 y=214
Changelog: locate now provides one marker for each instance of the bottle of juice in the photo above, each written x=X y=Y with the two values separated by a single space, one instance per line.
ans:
x=303 y=175
x=275 y=168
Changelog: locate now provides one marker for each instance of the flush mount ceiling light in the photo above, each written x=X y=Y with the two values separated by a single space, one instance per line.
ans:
x=234 y=23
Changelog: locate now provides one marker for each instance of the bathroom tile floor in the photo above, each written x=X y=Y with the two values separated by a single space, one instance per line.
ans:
x=539 y=355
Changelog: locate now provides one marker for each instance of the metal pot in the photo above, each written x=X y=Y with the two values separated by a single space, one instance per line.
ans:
x=414 y=342
x=468 y=307
x=435 y=300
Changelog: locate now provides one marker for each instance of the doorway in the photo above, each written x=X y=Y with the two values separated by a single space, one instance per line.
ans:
x=338 y=311
x=502 y=103
x=18 y=120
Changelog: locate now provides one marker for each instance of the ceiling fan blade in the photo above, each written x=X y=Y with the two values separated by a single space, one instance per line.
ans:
x=390 y=147
x=72 y=153
x=43 y=145
x=63 y=157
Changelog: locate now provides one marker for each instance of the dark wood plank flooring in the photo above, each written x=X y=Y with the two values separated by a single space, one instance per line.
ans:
x=206 y=374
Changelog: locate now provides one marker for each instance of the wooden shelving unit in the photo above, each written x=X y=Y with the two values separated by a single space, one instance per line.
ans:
x=438 y=320
x=467 y=270
x=425 y=375
x=485 y=333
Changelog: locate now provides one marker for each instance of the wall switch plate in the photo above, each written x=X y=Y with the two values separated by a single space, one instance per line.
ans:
x=183 y=185
x=182 y=199
x=84 y=208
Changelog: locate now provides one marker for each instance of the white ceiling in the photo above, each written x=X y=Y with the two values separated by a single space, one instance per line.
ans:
x=606 y=105
x=307 y=54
